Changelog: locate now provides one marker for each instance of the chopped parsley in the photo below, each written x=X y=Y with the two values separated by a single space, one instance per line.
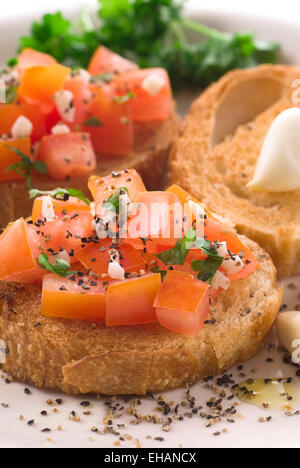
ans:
x=60 y=268
x=60 y=193
x=207 y=268
x=25 y=167
x=177 y=255
x=93 y=122
x=122 y=99
x=113 y=202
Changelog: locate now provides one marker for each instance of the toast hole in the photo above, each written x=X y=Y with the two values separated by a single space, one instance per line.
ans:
x=242 y=104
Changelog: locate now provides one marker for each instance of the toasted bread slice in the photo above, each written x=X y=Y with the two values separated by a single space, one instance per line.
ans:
x=216 y=153
x=152 y=144
x=79 y=357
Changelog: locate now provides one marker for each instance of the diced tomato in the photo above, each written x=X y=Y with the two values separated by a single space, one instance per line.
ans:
x=109 y=123
x=66 y=233
x=67 y=155
x=32 y=58
x=83 y=96
x=152 y=218
x=39 y=84
x=106 y=61
x=51 y=120
x=215 y=231
x=130 y=302
x=10 y=112
x=8 y=157
x=96 y=257
x=64 y=298
x=15 y=250
x=103 y=187
x=182 y=304
x=60 y=206
x=147 y=106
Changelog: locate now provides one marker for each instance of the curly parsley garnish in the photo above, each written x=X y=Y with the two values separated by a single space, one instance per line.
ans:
x=60 y=193
x=93 y=122
x=60 y=268
x=153 y=33
x=25 y=167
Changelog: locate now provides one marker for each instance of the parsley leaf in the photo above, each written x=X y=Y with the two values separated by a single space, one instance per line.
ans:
x=207 y=268
x=104 y=77
x=57 y=193
x=125 y=98
x=25 y=167
x=177 y=255
x=60 y=268
x=93 y=122
x=11 y=95
x=113 y=202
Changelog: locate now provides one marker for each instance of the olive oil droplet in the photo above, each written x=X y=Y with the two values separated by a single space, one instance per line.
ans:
x=268 y=393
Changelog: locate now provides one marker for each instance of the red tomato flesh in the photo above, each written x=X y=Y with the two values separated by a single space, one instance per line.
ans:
x=106 y=61
x=32 y=58
x=64 y=298
x=146 y=106
x=130 y=302
x=10 y=112
x=60 y=206
x=182 y=304
x=8 y=157
x=109 y=123
x=68 y=155
x=103 y=187
x=215 y=231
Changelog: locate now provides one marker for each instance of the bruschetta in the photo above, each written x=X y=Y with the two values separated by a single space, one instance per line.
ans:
x=137 y=291
x=58 y=125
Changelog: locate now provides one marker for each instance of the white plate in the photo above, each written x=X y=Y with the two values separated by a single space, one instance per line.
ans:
x=283 y=431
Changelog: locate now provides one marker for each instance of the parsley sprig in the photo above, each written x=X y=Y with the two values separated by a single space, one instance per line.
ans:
x=60 y=192
x=25 y=166
x=113 y=202
x=207 y=268
x=151 y=33
x=177 y=255
x=60 y=268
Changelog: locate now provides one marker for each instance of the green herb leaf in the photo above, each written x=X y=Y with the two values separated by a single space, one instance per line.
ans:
x=153 y=34
x=113 y=202
x=163 y=273
x=207 y=268
x=60 y=268
x=13 y=62
x=104 y=77
x=11 y=95
x=93 y=122
x=25 y=167
x=177 y=255
x=122 y=99
x=70 y=192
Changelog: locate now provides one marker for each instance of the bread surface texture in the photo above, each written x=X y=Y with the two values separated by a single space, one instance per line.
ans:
x=215 y=156
x=152 y=144
x=78 y=357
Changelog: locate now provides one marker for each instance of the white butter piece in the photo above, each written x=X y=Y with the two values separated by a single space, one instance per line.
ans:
x=22 y=128
x=47 y=209
x=64 y=101
x=116 y=271
x=60 y=129
x=278 y=166
x=233 y=264
x=220 y=281
x=153 y=84
x=288 y=331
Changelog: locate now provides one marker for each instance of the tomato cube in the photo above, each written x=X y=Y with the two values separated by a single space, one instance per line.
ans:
x=130 y=302
x=182 y=304
x=106 y=61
